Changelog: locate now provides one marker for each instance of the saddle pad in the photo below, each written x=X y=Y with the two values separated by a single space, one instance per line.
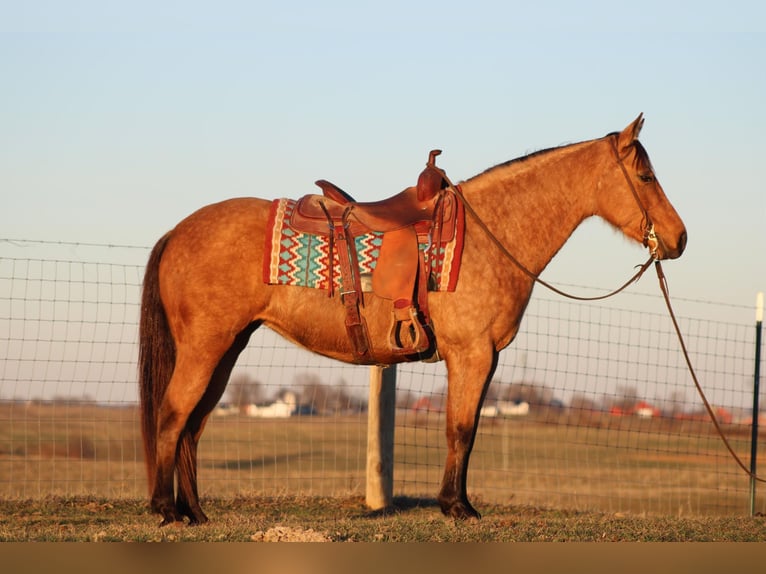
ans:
x=302 y=259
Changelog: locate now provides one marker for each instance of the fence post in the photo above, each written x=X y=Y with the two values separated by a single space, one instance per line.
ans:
x=756 y=393
x=380 y=437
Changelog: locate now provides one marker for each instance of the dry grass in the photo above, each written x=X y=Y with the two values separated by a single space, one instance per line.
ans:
x=348 y=520
x=613 y=466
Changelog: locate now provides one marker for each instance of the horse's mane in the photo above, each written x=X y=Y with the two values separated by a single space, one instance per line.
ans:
x=641 y=157
x=521 y=159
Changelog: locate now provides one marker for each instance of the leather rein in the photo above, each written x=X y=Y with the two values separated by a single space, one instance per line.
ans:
x=651 y=242
x=700 y=392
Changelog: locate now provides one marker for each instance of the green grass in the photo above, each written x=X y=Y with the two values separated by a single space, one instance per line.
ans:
x=58 y=519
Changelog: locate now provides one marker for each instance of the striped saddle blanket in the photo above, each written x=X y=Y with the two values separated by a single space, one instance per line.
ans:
x=302 y=259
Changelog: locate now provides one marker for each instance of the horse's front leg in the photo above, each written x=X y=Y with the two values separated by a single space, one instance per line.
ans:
x=469 y=372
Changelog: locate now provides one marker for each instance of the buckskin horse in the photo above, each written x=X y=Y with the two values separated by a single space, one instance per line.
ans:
x=204 y=294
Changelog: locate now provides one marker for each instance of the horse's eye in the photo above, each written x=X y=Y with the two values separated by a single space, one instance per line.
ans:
x=646 y=177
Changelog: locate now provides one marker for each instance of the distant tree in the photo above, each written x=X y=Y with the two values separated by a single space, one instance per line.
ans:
x=583 y=410
x=349 y=402
x=244 y=390
x=496 y=391
x=532 y=393
x=583 y=404
x=311 y=391
x=675 y=403
x=625 y=398
x=326 y=399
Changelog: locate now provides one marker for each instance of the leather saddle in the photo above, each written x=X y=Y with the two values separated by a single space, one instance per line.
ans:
x=422 y=215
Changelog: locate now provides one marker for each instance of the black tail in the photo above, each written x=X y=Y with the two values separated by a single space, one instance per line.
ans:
x=156 y=356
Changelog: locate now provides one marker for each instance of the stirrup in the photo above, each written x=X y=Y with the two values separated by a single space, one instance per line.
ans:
x=407 y=319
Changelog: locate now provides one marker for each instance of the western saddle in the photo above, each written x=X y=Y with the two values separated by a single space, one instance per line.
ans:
x=423 y=215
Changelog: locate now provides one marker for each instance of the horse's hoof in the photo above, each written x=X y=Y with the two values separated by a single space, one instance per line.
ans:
x=197 y=519
x=193 y=512
x=169 y=520
x=461 y=511
x=169 y=515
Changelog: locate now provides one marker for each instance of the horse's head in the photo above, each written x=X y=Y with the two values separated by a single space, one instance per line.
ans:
x=636 y=202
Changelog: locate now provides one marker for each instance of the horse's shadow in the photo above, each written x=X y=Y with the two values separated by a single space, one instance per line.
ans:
x=399 y=505
x=403 y=504
x=252 y=463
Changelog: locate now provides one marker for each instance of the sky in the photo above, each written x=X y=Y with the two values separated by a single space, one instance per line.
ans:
x=118 y=119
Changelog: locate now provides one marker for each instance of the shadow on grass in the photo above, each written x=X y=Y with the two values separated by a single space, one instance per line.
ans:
x=403 y=504
x=248 y=464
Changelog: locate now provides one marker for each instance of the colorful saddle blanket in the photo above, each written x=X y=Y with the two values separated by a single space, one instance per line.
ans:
x=302 y=259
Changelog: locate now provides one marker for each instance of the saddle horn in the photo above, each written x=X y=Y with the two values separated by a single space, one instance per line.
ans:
x=431 y=179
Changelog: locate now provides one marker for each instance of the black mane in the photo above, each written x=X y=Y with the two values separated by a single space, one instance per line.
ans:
x=522 y=158
x=641 y=158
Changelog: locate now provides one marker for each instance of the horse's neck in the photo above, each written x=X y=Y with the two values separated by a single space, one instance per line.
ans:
x=534 y=205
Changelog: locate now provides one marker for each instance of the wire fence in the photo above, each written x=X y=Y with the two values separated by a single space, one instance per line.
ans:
x=590 y=408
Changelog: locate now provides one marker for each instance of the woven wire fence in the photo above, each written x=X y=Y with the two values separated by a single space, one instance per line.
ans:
x=591 y=407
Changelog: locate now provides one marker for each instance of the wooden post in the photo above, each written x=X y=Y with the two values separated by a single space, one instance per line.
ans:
x=381 y=414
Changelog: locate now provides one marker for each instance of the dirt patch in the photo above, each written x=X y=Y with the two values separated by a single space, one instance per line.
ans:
x=289 y=534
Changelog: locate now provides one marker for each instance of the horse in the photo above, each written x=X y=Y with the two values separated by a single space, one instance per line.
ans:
x=203 y=296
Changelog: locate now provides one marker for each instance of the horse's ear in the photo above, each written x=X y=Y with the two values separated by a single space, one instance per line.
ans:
x=630 y=133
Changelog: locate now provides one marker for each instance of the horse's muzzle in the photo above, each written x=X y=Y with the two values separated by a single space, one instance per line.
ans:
x=665 y=251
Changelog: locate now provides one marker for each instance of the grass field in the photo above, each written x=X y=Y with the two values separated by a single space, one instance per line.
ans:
x=614 y=467
x=346 y=519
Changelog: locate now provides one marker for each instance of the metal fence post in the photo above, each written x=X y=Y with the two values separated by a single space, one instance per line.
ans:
x=381 y=417
x=756 y=393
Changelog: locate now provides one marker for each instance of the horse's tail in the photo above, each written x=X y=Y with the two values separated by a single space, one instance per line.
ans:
x=156 y=356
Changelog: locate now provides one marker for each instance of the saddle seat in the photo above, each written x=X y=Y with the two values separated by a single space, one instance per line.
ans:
x=397 y=212
x=417 y=215
x=401 y=210
x=412 y=206
x=415 y=207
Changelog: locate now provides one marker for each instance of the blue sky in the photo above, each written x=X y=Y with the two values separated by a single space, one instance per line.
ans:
x=117 y=119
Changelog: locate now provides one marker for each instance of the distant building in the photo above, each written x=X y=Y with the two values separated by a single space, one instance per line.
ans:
x=506 y=409
x=284 y=407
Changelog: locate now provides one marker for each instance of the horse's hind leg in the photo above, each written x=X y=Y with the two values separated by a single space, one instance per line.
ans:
x=193 y=371
x=469 y=372
x=187 y=500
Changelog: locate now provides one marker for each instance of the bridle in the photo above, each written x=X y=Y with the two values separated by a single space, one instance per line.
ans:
x=649 y=236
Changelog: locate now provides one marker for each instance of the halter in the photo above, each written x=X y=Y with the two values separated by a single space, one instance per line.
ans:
x=650 y=237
